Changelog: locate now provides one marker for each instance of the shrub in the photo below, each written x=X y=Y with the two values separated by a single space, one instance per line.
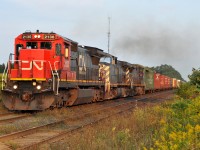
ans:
x=195 y=77
x=181 y=129
x=187 y=91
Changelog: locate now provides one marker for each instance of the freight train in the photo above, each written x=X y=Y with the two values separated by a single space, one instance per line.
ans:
x=48 y=70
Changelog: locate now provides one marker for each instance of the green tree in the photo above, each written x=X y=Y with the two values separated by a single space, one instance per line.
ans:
x=2 y=68
x=195 y=77
x=187 y=90
x=168 y=71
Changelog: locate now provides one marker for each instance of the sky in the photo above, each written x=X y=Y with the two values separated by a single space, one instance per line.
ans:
x=144 y=32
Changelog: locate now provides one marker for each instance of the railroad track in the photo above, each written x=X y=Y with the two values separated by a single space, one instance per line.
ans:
x=5 y=114
x=36 y=136
x=12 y=118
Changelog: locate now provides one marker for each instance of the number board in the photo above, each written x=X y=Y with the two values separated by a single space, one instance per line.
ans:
x=27 y=36
x=49 y=36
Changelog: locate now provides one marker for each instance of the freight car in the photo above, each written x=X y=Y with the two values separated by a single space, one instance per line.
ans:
x=49 y=70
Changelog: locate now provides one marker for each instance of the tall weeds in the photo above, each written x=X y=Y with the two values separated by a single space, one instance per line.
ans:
x=174 y=125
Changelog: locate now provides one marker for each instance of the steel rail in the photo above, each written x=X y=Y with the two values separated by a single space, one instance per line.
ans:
x=6 y=114
x=8 y=120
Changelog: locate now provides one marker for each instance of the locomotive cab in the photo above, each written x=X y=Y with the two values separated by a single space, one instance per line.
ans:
x=32 y=76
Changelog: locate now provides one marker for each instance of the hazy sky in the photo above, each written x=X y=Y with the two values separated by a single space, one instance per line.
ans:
x=147 y=32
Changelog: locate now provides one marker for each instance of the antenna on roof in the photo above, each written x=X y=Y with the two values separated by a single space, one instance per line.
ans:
x=108 y=34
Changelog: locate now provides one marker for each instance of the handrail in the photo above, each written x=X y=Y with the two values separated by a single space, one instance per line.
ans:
x=2 y=78
x=58 y=78
x=5 y=72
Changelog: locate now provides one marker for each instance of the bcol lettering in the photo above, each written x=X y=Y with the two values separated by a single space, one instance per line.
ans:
x=33 y=63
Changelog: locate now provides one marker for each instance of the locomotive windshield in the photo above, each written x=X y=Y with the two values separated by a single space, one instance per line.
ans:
x=34 y=45
x=31 y=45
x=45 y=45
x=106 y=60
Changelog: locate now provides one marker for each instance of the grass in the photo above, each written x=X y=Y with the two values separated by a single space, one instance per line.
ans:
x=12 y=145
x=167 y=126
x=2 y=108
x=131 y=131
x=36 y=119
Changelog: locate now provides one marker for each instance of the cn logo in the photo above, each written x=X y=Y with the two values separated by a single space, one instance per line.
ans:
x=33 y=63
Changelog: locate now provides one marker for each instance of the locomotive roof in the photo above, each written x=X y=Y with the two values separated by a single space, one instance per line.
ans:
x=148 y=69
x=97 y=51
x=124 y=63
x=138 y=65
x=65 y=38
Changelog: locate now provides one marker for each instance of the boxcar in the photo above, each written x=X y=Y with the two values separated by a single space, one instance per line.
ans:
x=171 y=83
x=157 y=81
x=174 y=83
x=162 y=82
x=178 y=83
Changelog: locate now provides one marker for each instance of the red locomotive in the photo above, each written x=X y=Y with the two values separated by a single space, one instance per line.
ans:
x=49 y=70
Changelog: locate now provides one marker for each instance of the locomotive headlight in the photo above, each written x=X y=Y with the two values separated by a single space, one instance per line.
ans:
x=15 y=86
x=38 y=87
x=34 y=83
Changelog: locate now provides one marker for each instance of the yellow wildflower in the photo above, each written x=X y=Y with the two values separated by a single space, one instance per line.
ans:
x=113 y=129
x=175 y=146
x=197 y=128
x=163 y=138
x=157 y=143
x=188 y=126
x=173 y=136
x=162 y=121
x=144 y=148
x=127 y=130
x=184 y=135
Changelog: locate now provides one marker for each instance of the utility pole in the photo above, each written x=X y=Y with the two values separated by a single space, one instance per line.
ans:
x=109 y=35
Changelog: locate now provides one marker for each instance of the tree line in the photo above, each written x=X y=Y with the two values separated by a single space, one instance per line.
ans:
x=2 y=67
x=195 y=77
x=168 y=71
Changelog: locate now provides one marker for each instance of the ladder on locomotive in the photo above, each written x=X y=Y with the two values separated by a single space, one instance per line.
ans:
x=56 y=78
x=4 y=77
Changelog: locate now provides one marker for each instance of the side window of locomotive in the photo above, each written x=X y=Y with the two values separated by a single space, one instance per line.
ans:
x=58 y=49
x=45 y=45
x=31 y=45
x=18 y=47
x=82 y=60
